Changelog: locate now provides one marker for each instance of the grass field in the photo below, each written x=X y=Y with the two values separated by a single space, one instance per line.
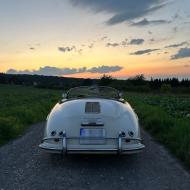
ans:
x=21 y=106
x=167 y=118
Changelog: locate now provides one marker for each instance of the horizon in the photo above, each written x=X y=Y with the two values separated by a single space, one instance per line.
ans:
x=86 y=39
x=98 y=78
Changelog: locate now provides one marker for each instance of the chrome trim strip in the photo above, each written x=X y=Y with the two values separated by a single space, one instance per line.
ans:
x=64 y=143
x=120 y=143
x=111 y=138
x=94 y=150
x=105 y=149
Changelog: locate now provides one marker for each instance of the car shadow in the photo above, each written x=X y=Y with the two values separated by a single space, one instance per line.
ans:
x=93 y=161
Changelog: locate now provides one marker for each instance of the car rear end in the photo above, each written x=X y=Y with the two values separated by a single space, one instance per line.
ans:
x=93 y=126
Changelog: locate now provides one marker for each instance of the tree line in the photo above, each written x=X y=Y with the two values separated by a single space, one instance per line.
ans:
x=137 y=83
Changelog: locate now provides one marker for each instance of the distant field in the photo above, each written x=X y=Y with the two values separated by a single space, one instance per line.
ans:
x=166 y=117
x=21 y=106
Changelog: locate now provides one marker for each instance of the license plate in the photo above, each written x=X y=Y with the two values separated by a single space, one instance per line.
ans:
x=92 y=132
x=92 y=136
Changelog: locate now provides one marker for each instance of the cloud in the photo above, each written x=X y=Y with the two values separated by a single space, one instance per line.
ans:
x=146 y=22
x=141 y=52
x=104 y=38
x=124 y=42
x=182 y=53
x=47 y=71
x=152 y=40
x=32 y=48
x=66 y=49
x=105 y=69
x=136 y=41
x=177 y=45
x=13 y=71
x=76 y=49
x=80 y=51
x=55 y=71
x=112 y=44
x=122 y=10
x=91 y=46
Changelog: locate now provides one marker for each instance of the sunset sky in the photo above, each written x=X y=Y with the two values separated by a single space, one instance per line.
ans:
x=89 y=38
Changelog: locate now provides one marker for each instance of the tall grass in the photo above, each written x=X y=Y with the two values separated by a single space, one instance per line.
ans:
x=21 y=106
x=173 y=132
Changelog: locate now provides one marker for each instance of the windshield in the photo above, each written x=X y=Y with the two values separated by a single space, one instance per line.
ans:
x=93 y=91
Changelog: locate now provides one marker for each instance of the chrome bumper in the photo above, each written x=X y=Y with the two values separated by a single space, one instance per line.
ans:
x=92 y=149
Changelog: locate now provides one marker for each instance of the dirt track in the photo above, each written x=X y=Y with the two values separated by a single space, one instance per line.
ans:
x=24 y=166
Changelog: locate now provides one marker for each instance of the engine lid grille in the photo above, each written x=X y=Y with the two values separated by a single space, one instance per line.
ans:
x=92 y=107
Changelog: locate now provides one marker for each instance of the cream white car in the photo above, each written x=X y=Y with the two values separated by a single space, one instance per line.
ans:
x=92 y=120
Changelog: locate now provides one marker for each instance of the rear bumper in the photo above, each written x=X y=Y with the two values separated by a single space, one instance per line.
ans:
x=137 y=149
x=118 y=147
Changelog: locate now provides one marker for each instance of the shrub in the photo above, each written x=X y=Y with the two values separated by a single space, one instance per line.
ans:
x=166 y=88
x=8 y=129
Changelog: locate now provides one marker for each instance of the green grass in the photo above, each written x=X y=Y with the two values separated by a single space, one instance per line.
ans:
x=169 y=126
x=21 y=106
x=166 y=117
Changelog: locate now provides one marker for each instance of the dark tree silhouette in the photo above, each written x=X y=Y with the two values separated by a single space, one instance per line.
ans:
x=137 y=83
x=105 y=80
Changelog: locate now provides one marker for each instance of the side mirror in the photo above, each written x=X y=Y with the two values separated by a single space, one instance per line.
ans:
x=64 y=95
x=120 y=95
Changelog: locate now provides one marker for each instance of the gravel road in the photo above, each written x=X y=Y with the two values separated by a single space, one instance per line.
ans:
x=24 y=166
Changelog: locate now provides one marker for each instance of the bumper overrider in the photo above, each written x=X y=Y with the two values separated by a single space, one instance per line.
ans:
x=119 y=145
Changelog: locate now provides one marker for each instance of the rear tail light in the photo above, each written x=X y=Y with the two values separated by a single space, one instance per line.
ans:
x=131 y=134
x=61 y=133
x=53 y=133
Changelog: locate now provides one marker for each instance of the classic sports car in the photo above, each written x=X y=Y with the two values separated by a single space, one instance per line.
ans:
x=92 y=120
